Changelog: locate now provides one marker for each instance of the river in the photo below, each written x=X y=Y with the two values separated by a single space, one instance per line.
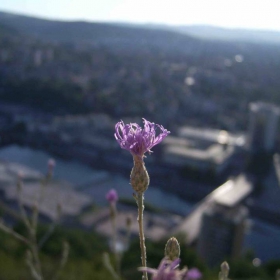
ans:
x=80 y=174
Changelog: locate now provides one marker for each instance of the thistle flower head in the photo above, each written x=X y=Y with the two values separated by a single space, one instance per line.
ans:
x=112 y=196
x=167 y=270
x=138 y=140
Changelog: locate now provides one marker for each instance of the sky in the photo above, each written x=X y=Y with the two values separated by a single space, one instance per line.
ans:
x=249 y=14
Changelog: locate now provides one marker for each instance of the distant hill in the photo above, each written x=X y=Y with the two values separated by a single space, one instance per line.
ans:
x=227 y=34
x=7 y=30
x=93 y=33
x=123 y=35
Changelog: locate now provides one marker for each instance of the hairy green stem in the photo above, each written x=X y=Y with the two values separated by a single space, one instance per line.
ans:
x=115 y=250
x=140 y=203
x=35 y=253
x=14 y=234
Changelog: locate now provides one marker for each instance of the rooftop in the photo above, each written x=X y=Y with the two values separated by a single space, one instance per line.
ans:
x=229 y=194
x=266 y=107
x=211 y=135
x=46 y=197
x=215 y=153
x=202 y=148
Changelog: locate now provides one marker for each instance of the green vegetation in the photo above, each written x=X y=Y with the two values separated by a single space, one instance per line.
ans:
x=155 y=253
x=85 y=259
x=50 y=96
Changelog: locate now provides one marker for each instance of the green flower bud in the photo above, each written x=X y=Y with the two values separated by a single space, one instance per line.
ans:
x=225 y=268
x=172 y=249
x=223 y=275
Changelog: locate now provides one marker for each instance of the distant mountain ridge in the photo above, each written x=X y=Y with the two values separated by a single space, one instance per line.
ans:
x=219 y=33
x=87 y=32
x=91 y=32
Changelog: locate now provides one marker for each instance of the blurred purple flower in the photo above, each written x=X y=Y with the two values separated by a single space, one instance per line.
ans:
x=20 y=175
x=51 y=165
x=112 y=196
x=167 y=270
x=139 y=140
x=193 y=274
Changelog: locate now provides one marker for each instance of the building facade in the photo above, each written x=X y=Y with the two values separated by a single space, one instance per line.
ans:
x=221 y=233
x=263 y=127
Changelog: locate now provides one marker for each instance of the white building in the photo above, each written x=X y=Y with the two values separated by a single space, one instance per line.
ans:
x=202 y=149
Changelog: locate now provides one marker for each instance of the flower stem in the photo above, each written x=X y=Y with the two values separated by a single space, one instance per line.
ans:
x=114 y=240
x=140 y=203
x=35 y=253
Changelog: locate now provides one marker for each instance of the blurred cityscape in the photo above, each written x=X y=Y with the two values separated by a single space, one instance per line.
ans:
x=63 y=86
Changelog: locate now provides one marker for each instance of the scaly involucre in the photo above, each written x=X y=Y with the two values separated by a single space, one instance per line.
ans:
x=138 y=140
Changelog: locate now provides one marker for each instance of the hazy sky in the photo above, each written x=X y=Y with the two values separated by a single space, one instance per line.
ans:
x=258 y=14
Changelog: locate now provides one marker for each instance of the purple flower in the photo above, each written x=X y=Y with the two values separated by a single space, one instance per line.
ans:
x=139 y=140
x=51 y=165
x=167 y=270
x=193 y=274
x=112 y=196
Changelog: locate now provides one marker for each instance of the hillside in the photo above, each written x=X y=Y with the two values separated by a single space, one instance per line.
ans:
x=93 y=33
x=127 y=70
x=230 y=34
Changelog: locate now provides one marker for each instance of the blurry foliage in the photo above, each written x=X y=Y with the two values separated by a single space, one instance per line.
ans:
x=12 y=267
x=244 y=269
x=51 y=96
x=155 y=253
x=82 y=243
x=85 y=261
x=271 y=267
